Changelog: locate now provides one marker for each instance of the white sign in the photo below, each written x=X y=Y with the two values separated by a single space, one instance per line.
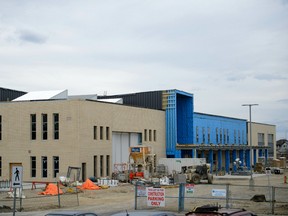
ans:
x=190 y=188
x=219 y=192
x=155 y=197
x=17 y=172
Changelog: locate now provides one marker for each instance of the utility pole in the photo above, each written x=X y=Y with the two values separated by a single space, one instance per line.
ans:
x=251 y=181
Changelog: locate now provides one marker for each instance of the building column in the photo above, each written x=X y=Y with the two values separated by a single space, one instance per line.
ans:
x=211 y=160
x=260 y=153
x=241 y=156
x=248 y=161
x=254 y=157
x=227 y=161
x=192 y=153
x=234 y=156
x=266 y=157
x=219 y=160
x=196 y=153
x=202 y=154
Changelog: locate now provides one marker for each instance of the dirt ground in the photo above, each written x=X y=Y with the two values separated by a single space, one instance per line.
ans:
x=114 y=199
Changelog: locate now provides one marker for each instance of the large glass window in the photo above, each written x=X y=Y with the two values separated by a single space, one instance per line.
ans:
x=33 y=166
x=33 y=126
x=44 y=126
x=55 y=166
x=44 y=167
x=56 y=125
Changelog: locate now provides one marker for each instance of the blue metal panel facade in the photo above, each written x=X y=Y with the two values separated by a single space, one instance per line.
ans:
x=179 y=121
x=211 y=129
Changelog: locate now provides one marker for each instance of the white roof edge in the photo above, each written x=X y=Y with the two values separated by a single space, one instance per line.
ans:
x=43 y=95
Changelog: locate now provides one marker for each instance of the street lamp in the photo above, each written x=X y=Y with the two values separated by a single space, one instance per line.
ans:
x=251 y=182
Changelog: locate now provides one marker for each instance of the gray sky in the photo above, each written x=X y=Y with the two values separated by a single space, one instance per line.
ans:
x=226 y=52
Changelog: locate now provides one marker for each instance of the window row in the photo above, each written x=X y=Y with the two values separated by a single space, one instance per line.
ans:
x=99 y=132
x=150 y=135
x=101 y=165
x=44 y=126
x=44 y=166
x=222 y=136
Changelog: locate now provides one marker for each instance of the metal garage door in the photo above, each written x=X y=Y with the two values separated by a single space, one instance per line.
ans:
x=120 y=146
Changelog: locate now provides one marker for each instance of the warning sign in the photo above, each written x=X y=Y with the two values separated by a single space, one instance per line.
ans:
x=189 y=188
x=155 y=197
x=17 y=172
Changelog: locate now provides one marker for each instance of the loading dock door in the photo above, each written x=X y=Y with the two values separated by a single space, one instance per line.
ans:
x=120 y=146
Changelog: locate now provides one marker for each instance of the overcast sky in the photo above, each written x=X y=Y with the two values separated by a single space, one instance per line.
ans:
x=227 y=53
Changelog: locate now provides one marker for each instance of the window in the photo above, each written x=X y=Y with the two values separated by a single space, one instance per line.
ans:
x=203 y=135
x=107 y=133
x=197 y=134
x=33 y=126
x=95 y=166
x=95 y=132
x=235 y=137
x=261 y=139
x=221 y=141
x=44 y=167
x=101 y=165
x=140 y=138
x=208 y=134
x=145 y=135
x=56 y=125
x=243 y=134
x=150 y=135
x=239 y=138
x=217 y=136
x=228 y=139
x=154 y=136
x=101 y=133
x=0 y=166
x=271 y=145
x=107 y=165
x=0 y=127
x=55 y=166
x=44 y=127
x=33 y=166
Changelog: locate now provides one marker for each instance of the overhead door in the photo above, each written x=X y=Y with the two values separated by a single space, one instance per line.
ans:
x=121 y=142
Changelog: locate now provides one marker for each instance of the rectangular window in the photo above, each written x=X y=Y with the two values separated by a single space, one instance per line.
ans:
x=33 y=126
x=101 y=165
x=235 y=137
x=0 y=127
x=44 y=167
x=203 y=135
x=107 y=165
x=150 y=135
x=208 y=134
x=243 y=134
x=0 y=166
x=197 y=134
x=145 y=135
x=271 y=145
x=221 y=141
x=139 y=138
x=224 y=139
x=261 y=139
x=33 y=166
x=44 y=127
x=217 y=136
x=239 y=137
x=154 y=135
x=101 y=133
x=55 y=166
x=95 y=166
x=95 y=132
x=56 y=125
x=228 y=138
x=107 y=133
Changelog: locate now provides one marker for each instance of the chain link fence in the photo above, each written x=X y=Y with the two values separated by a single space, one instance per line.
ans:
x=32 y=197
x=258 y=199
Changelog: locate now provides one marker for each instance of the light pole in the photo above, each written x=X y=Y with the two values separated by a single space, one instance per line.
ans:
x=251 y=182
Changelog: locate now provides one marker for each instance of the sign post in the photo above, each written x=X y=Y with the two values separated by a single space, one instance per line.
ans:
x=17 y=173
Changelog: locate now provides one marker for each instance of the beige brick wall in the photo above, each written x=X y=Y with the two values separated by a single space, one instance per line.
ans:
x=76 y=144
